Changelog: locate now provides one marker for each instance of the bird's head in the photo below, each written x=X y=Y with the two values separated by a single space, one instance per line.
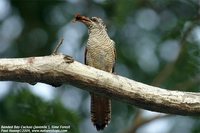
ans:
x=91 y=23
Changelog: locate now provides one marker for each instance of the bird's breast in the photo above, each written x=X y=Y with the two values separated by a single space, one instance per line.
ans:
x=100 y=56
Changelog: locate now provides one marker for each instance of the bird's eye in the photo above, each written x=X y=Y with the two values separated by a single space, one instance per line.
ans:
x=94 y=19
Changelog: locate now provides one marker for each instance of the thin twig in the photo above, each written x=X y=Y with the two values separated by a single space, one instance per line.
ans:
x=169 y=68
x=58 y=46
x=142 y=121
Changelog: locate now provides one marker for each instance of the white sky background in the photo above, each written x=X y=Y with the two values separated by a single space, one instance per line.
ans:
x=146 y=19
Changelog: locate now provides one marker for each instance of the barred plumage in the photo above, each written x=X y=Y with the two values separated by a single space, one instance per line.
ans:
x=100 y=53
x=100 y=111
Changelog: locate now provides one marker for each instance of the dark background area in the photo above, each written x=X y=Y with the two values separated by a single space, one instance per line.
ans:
x=157 y=42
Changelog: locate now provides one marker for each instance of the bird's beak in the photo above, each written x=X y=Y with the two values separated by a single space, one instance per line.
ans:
x=87 y=21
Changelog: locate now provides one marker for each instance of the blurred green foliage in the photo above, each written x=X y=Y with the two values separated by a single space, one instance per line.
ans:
x=21 y=107
x=158 y=43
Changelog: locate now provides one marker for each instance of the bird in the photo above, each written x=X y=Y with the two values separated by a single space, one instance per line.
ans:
x=100 y=53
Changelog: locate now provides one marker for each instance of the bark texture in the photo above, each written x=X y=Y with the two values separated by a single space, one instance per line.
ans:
x=59 y=69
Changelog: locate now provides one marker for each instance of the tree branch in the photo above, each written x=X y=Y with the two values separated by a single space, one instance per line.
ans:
x=60 y=69
x=142 y=121
x=169 y=68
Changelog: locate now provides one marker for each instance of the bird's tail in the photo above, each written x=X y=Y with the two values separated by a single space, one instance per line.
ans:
x=100 y=111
